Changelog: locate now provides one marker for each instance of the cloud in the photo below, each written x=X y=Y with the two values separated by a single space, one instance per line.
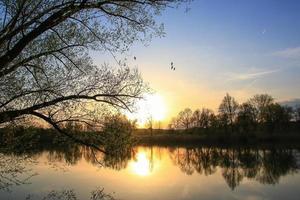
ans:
x=292 y=103
x=293 y=53
x=249 y=76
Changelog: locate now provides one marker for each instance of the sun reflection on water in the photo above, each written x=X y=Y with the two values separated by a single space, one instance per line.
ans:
x=142 y=165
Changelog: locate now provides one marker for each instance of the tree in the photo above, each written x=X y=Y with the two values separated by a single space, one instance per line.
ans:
x=203 y=118
x=246 y=118
x=196 y=118
x=174 y=123
x=206 y=118
x=260 y=102
x=117 y=131
x=45 y=67
x=276 y=117
x=185 y=118
x=228 y=110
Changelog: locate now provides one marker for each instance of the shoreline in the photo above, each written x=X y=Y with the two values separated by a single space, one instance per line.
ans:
x=184 y=139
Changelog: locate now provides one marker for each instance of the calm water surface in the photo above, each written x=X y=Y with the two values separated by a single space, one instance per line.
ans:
x=152 y=173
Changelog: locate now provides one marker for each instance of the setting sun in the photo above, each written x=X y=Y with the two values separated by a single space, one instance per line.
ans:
x=152 y=106
x=156 y=107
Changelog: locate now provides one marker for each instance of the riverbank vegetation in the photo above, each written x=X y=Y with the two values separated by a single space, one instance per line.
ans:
x=258 y=120
x=260 y=114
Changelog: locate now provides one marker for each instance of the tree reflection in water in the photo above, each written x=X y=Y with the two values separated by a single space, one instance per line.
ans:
x=263 y=165
x=16 y=166
x=15 y=170
x=97 y=194
x=266 y=165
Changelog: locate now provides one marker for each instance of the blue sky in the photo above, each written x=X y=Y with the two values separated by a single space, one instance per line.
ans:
x=243 y=47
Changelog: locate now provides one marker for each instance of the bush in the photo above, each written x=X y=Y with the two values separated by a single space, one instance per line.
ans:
x=117 y=133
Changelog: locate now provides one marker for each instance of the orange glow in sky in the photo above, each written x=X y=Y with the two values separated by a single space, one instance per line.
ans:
x=152 y=107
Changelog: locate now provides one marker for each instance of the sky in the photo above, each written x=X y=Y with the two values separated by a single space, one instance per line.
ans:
x=237 y=46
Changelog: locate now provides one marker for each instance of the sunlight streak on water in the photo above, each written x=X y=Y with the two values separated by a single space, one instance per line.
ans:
x=140 y=166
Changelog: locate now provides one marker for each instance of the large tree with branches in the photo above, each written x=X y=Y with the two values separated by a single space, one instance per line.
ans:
x=45 y=66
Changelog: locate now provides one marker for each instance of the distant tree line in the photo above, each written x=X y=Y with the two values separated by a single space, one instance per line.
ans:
x=259 y=113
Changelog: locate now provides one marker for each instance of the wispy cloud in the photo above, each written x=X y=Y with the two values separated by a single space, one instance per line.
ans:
x=288 y=53
x=292 y=103
x=249 y=76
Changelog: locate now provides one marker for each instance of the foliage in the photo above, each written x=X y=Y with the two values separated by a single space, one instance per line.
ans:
x=46 y=71
x=116 y=133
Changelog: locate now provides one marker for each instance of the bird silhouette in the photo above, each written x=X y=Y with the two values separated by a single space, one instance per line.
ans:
x=134 y=58
x=172 y=66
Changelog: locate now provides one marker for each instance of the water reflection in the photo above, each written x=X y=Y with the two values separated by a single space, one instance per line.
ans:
x=141 y=164
x=263 y=165
x=70 y=194
x=234 y=165
x=145 y=161
x=15 y=170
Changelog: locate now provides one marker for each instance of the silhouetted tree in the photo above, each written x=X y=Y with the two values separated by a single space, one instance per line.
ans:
x=246 y=119
x=206 y=118
x=228 y=110
x=260 y=102
x=260 y=113
x=45 y=67
x=196 y=118
x=276 y=117
x=174 y=124
x=117 y=131
x=203 y=119
x=185 y=118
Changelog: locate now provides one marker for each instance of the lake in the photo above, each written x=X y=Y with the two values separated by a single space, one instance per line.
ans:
x=166 y=173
